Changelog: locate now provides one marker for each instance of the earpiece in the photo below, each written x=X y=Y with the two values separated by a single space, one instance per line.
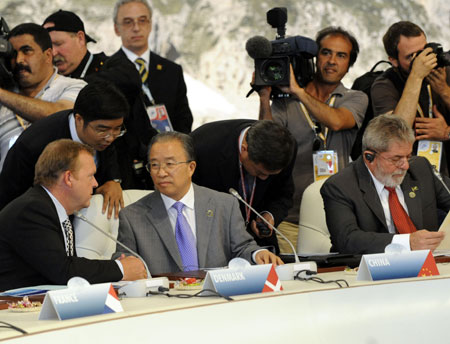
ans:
x=369 y=156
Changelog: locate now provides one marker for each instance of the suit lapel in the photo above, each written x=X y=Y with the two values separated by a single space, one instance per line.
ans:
x=411 y=192
x=159 y=219
x=369 y=191
x=204 y=212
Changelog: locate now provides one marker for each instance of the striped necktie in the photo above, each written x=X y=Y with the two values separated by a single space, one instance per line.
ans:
x=402 y=221
x=143 y=72
x=185 y=240
x=69 y=236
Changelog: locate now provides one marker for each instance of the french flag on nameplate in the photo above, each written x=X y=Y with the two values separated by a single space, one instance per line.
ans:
x=112 y=303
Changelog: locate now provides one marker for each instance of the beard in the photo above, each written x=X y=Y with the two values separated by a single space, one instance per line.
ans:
x=388 y=179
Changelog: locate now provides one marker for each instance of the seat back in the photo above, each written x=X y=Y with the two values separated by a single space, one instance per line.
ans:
x=313 y=234
x=89 y=242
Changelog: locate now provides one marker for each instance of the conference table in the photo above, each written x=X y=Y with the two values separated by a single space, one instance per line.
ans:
x=413 y=310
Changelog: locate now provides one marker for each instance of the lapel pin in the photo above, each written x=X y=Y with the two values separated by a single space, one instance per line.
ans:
x=209 y=213
x=412 y=194
x=159 y=67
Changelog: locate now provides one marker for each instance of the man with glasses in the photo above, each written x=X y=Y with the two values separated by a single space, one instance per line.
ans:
x=385 y=196
x=162 y=80
x=182 y=226
x=96 y=120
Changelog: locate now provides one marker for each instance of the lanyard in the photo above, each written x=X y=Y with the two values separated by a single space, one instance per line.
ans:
x=88 y=63
x=430 y=104
x=244 y=191
x=323 y=136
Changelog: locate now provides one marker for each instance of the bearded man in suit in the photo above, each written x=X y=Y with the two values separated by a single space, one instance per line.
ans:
x=182 y=226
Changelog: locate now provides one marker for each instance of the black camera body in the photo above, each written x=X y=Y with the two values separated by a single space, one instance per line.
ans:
x=6 y=54
x=273 y=58
x=443 y=58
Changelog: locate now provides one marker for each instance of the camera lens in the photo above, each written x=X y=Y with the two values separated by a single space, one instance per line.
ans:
x=273 y=70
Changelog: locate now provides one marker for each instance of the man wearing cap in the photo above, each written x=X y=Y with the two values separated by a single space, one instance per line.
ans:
x=69 y=39
x=40 y=91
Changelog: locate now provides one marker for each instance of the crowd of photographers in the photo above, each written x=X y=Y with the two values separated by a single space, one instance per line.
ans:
x=308 y=120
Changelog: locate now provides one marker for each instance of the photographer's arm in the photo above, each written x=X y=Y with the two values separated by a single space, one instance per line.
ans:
x=30 y=108
x=407 y=105
x=335 y=119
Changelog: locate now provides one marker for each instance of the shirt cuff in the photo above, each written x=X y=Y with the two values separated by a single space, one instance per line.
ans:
x=255 y=253
x=119 y=264
x=402 y=239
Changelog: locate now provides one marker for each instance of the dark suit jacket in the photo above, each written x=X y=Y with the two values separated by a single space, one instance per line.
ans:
x=97 y=63
x=134 y=144
x=32 y=249
x=144 y=226
x=355 y=217
x=18 y=170
x=217 y=155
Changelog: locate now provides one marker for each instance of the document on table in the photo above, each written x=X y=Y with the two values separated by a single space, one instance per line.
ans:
x=445 y=227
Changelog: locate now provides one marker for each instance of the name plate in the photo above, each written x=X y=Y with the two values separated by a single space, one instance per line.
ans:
x=239 y=281
x=376 y=267
x=77 y=302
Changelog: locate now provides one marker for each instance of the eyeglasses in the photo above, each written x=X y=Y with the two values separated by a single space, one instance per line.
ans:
x=397 y=161
x=129 y=23
x=104 y=133
x=166 y=166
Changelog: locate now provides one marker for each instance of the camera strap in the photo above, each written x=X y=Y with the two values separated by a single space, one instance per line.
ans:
x=322 y=135
x=430 y=104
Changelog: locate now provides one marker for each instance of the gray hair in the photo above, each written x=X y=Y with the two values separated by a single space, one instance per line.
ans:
x=120 y=3
x=186 y=141
x=385 y=129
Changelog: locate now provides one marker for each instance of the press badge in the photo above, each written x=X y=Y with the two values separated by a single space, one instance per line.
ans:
x=432 y=150
x=159 y=118
x=325 y=164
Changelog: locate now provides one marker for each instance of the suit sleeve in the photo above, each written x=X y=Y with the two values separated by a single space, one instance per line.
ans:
x=126 y=236
x=17 y=174
x=342 y=221
x=183 y=112
x=109 y=166
x=241 y=243
x=278 y=198
x=47 y=253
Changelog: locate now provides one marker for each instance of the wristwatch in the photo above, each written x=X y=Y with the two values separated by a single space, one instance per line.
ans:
x=117 y=180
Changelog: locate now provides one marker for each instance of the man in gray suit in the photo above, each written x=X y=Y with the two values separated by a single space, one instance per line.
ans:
x=385 y=196
x=182 y=226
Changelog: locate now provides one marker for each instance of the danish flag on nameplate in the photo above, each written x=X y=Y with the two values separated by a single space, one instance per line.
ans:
x=243 y=278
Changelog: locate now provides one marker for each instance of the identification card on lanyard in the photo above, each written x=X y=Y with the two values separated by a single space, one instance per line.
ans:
x=431 y=150
x=325 y=162
x=159 y=118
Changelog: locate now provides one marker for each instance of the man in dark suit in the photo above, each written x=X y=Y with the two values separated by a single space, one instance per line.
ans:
x=36 y=236
x=163 y=81
x=96 y=121
x=385 y=196
x=182 y=226
x=69 y=39
x=256 y=159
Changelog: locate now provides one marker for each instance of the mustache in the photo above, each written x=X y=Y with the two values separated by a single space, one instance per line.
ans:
x=20 y=67
x=58 y=58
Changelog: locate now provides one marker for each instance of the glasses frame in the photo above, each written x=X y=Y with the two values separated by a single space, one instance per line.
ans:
x=129 y=23
x=164 y=166
x=108 y=133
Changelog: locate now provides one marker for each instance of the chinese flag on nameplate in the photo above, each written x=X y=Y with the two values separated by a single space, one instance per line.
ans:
x=272 y=283
x=429 y=267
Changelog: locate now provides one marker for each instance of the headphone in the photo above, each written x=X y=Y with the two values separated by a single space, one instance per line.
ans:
x=370 y=156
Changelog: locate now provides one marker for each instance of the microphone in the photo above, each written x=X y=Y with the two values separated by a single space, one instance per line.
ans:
x=82 y=217
x=137 y=288
x=438 y=176
x=258 y=47
x=236 y=194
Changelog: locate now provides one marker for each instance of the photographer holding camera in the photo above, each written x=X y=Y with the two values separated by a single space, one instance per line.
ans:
x=323 y=116
x=417 y=86
x=40 y=91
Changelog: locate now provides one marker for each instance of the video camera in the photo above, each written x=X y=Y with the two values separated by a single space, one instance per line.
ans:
x=272 y=58
x=6 y=54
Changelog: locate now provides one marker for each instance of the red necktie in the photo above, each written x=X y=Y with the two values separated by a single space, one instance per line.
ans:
x=402 y=221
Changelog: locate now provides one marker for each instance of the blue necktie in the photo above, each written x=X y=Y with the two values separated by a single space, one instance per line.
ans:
x=185 y=240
